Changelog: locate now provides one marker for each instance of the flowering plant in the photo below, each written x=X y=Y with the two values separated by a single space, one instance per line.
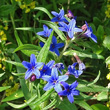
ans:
x=51 y=79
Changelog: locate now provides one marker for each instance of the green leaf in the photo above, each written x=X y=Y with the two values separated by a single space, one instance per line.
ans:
x=55 y=28
x=4 y=88
x=103 y=96
x=42 y=98
x=16 y=95
x=97 y=21
x=95 y=80
x=27 y=29
x=44 y=51
x=66 y=105
x=107 y=61
x=50 y=105
x=83 y=54
x=106 y=42
x=99 y=107
x=28 y=47
x=44 y=10
x=84 y=105
x=18 y=74
x=92 y=88
x=100 y=34
x=6 y=9
x=15 y=63
x=22 y=105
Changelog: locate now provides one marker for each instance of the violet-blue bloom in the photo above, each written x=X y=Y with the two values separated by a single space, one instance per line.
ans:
x=70 y=28
x=32 y=67
x=60 y=67
x=54 y=80
x=46 y=32
x=89 y=33
x=46 y=70
x=54 y=45
x=70 y=90
x=73 y=71
x=59 y=17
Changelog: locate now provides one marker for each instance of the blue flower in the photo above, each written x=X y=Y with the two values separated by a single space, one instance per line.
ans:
x=32 y=67
x=73 y=71
x=54 y=80
x=54 y=45
x=70 y=28
x=60 y=67
x=46 y=32
x=46 y=70
x=89 y=33
x=70 y=90
x=70 y=15
x=59 y=17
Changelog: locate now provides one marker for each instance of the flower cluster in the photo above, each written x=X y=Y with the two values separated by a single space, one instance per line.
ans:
x=2 y=32
x=70 y=28
x=49 y=72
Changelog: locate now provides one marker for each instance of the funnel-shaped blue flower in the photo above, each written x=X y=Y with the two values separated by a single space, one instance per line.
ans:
x=89 y=33
x=73 y=71
x=32 y=67
x=46 y=32
x=59 y=17
x=46 y=70
x=70 y=91
x=54 y=80
x=69 y=28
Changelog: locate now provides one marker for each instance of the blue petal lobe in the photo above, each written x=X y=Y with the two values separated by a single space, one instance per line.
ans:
x=50 y=63
x=33 y=60
x=63 y=78
x=57 y=88
x=48 y=86
x=46 y=78
x=70 y=98
x=65 y=85
x=26 y=64
x=63 y=93
x=28 y=73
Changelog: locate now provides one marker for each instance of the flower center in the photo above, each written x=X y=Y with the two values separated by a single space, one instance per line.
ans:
x=53 y=46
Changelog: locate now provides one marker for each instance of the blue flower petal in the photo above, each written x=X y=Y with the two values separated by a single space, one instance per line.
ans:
x=54 y=40
x=33 y=60
x=57 y=87
x=65 y=85
x=45 y=28
x=62 y=29
x=61 y=12
x=63 y=93
x=39 y=65
x=54 y=73
x=48 y=86
x=41 y=33
x=74 y=85
x=63 y=78
x=37 y=73
x=70 y=98
x=75 y=92
x=26 y=64
x=41 y=44
x=77 y=30
x=28 y=73
x=57 y=51
x=60 y=45
x=50 y=63
x=70 y=34
x=46 y=78
x=94 y=38
x=54 y=13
